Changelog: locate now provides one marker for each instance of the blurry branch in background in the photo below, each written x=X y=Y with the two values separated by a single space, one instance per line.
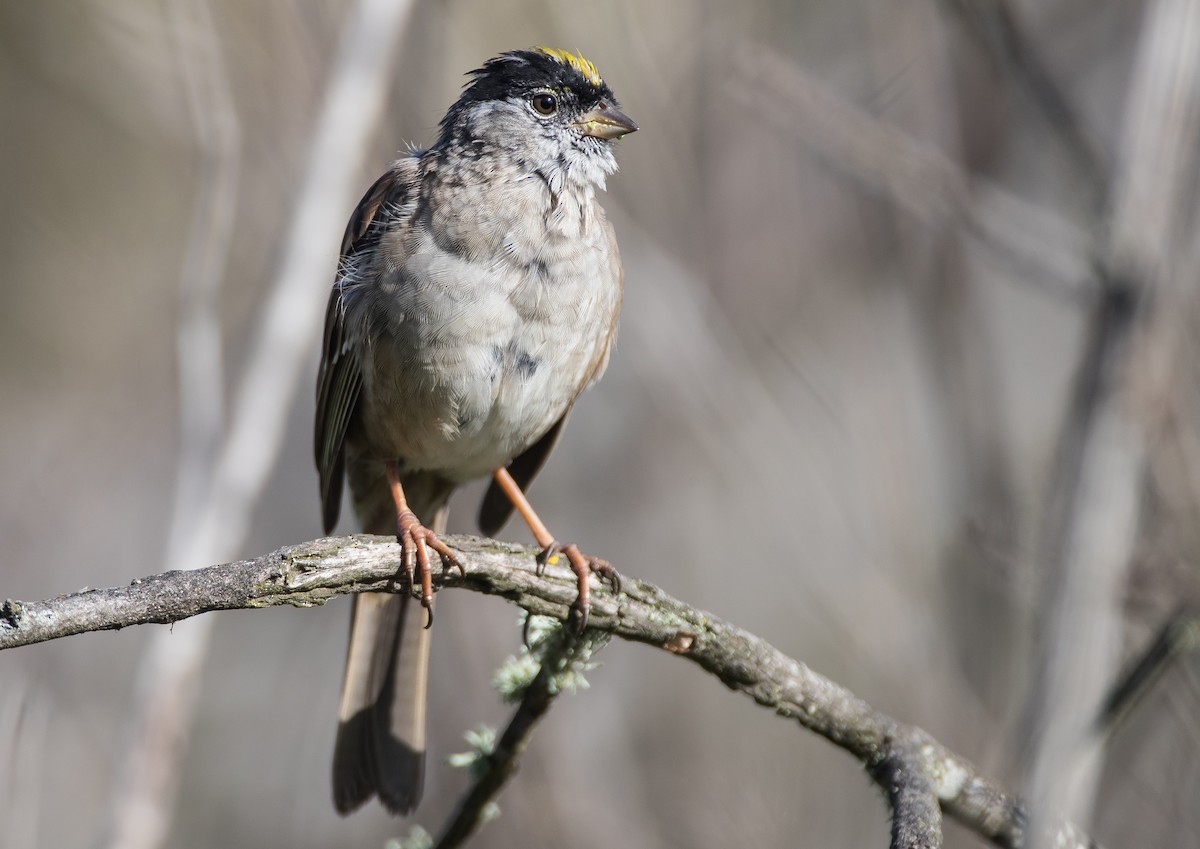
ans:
x=213 y=524
x=1113 y=266
x=919 y=777
x=1091 y=520
x=1089 y=527
x=148 y=777
x=1178 y=637
x=1045 y=251
x=1091 y=523
x=1086 y=541
x=996 y=26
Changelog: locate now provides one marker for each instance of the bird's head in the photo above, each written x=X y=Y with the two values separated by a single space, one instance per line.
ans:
x=547 y=108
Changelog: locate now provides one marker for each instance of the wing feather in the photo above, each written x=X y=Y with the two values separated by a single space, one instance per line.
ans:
x=339 y=378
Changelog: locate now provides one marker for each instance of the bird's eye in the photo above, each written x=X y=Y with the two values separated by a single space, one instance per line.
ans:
x=545 y=104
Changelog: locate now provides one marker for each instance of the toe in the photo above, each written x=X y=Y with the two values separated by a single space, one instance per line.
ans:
x=581 y=609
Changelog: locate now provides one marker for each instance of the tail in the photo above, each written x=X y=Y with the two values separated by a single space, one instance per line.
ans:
x=380 y=746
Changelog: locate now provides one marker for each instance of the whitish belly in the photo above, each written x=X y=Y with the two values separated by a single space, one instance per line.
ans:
x=480 y=405
x=472 y=363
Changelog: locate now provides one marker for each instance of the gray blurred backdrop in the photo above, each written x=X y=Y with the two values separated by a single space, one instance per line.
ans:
x=855 y=237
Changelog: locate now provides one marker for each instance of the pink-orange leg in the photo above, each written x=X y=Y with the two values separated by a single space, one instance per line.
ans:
x=415 y=541
x=581 y=564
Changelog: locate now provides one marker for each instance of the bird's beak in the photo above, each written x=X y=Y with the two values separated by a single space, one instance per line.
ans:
x=606 y=122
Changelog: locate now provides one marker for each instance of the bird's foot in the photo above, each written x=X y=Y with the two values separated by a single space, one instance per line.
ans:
x=583 y=565
x=415 y=541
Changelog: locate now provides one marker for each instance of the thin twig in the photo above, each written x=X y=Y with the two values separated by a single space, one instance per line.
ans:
x=313 y=572
x=916 y=815
x=497 y=767
x=1180 y=635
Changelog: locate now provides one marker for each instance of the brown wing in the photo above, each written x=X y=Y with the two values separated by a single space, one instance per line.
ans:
x=339 y=379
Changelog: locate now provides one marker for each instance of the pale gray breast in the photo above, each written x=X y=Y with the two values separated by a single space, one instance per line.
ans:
x=484 y=335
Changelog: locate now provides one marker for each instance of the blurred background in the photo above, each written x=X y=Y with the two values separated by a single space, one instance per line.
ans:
x=909 y=315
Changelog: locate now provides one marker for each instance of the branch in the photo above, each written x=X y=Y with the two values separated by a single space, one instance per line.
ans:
x=911 y=767
x=916 y=815
x=562 y=654
x=1180 y=635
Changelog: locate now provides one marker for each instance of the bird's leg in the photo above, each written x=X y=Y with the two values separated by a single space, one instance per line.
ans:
x=415 y=541
x=581 y=564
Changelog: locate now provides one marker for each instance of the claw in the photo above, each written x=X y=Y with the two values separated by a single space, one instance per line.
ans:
x=580 y=611
x=582 y=565
x=415 y=541
x=548 y=556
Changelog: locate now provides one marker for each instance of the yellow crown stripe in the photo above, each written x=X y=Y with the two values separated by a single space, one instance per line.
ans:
x=573 y=60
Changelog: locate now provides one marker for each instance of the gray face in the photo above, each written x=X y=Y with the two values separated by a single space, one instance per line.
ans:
x=554 y=145
x=547 y=111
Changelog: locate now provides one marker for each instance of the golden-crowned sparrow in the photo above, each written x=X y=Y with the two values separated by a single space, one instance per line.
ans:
x=476 y=297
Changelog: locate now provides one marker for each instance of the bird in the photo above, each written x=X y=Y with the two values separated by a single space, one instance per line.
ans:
x=475 y=298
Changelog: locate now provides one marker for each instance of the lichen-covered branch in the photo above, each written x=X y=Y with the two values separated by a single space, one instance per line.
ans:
x=910 y=766
x=563 y=653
